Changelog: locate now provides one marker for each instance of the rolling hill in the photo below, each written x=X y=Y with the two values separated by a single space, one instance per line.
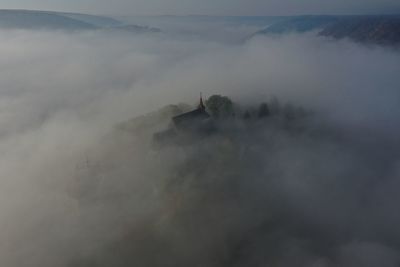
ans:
x=381 y=30
x=24 y=19
x=46 y=20
x=376 y=30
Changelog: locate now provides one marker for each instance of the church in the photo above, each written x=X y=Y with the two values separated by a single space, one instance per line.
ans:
x=184 y=127
x=193 y=120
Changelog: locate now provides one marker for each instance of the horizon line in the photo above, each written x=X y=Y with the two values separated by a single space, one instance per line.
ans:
x=202 y=15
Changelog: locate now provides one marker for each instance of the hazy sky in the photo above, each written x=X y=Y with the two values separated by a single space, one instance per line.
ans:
x=210 y=7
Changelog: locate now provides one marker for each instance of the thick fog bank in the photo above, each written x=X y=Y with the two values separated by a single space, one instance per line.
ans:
x=78 y=189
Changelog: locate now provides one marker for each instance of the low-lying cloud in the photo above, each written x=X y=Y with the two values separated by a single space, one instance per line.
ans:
x=75 y=190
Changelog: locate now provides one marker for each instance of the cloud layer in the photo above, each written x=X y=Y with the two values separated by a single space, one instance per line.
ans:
x=76 y=191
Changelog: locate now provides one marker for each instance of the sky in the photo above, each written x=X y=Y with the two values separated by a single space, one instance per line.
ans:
x=209 y=7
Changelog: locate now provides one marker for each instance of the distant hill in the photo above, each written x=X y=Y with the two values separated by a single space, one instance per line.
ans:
x=135 y=29
x=383 y=30
x=23 y=19
x=377 y=30
x=34 y=20
x=299 y=24
x=99 y=21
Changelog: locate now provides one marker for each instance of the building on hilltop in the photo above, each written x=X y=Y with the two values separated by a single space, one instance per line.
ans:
x=184 y=127
x=194 y=120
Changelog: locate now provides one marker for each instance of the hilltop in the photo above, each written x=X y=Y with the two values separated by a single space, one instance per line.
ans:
x=49 y=20
x=381 y=30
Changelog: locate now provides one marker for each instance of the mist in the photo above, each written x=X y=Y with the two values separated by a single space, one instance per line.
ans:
x=77 y=189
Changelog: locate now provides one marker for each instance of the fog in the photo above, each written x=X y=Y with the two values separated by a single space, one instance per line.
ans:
x=77 y=189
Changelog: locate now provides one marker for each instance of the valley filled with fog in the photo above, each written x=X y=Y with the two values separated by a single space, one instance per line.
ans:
x=81 y=183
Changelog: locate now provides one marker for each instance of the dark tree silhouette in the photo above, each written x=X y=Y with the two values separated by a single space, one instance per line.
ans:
x=220 y=106
x=263 y=110
x=246 y=115
x=275 y=106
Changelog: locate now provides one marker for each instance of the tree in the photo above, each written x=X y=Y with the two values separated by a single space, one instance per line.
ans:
x=263 y=110
x=289 y=111
x=247 y=115
x=220 y=106
x=275 y=106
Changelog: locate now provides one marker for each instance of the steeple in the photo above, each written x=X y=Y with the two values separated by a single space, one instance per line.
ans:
x=201 y=105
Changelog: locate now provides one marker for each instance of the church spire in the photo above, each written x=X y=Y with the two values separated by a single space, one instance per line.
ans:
x=201 y=105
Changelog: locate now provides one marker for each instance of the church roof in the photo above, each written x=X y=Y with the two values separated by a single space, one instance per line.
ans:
x=193 y=118
x=191 y=115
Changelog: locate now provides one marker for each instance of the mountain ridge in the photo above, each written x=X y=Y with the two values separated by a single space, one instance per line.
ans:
x=52 y=20
x=367 y=29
